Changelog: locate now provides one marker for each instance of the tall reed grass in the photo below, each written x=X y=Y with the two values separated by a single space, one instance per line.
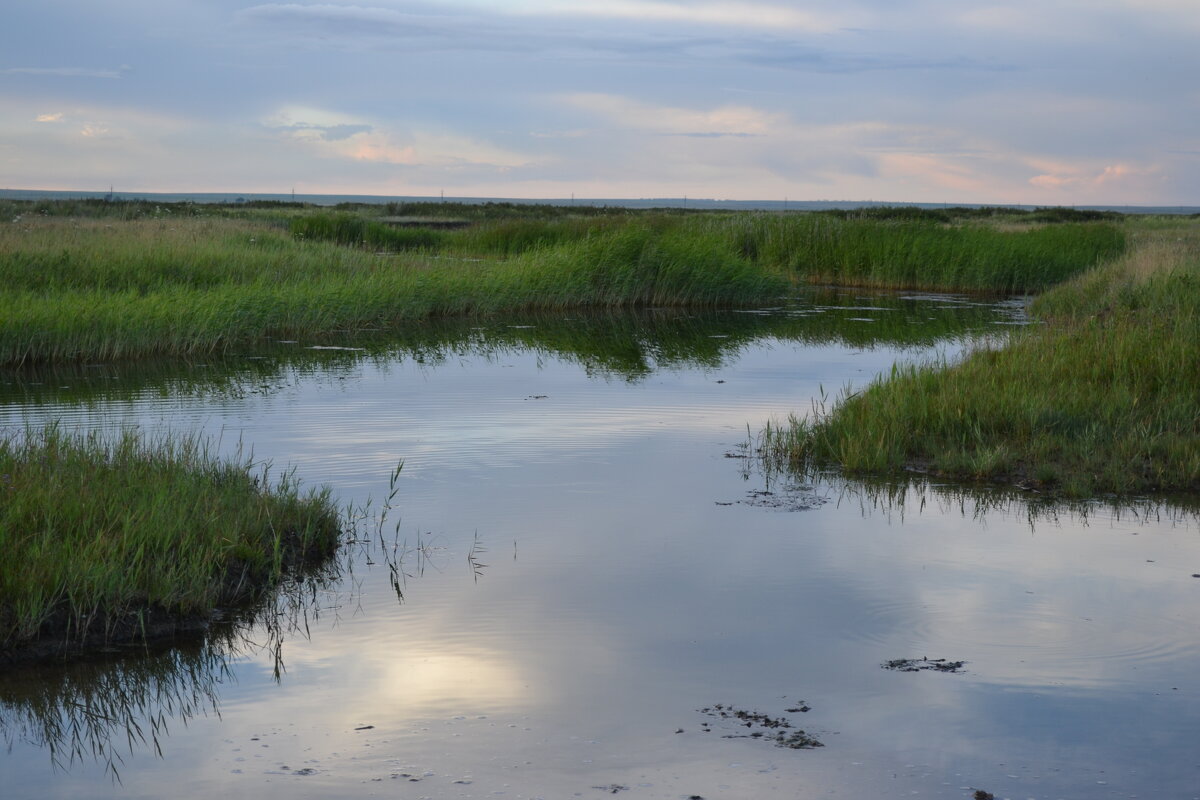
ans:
x=915 y=254
x=102 y=289
x=74 y=291
x=107 y=537
x=1101 y=398
x=914 y=249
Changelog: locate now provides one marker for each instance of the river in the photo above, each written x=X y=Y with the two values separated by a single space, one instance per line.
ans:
x=586 y=585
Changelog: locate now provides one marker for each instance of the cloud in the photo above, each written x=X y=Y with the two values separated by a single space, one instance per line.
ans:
x=723 y=14
x=336 y=20
x=68 y=72
x=946 y=173
x=57 y=117
x=579 y=31
x=332 y=134
x=1174 y=13
x=1076 y=177
x=723 y=121
x=328 y=133
x=781 y=54
x=311 y=124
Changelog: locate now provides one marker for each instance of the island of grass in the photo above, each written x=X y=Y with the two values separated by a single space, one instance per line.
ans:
x=1102 y=396
x=127 y=539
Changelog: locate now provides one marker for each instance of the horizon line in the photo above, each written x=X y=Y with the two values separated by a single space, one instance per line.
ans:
x=676 y=200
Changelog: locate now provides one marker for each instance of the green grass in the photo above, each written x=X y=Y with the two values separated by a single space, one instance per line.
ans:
x=881 y=247
x=920 y=254
x=88 y=290
x=1101 y=397
x=171 y=285
x=103 y=538
x=360 y=231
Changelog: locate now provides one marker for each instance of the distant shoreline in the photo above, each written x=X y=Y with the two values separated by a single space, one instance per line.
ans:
x=645 y=202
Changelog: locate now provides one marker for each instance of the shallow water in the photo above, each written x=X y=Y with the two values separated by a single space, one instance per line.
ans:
x=585 y=561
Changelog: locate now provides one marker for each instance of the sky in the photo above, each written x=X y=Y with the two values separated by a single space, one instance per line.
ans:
x=1045 y=102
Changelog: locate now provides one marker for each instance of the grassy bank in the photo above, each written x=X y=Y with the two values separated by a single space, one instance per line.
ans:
x=1000 y=257
x=88 y=290
x=109 y=540
x=1101 y=397
x=175 y=285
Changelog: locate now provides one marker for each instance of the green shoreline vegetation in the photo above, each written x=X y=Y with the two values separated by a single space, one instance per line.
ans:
x=125 y=538
x=186 y=284
x=1101 y=397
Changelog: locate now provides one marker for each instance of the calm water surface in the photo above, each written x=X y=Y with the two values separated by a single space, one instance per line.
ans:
x=579 y=560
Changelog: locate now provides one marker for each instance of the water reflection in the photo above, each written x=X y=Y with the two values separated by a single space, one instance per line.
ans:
x=898 y=499
x=100 y=709
x=128 y=698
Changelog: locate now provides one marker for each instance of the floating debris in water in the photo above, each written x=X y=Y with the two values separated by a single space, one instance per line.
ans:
x=612 y=788
x=762 y=726
x=792 y=498
x=924 y=664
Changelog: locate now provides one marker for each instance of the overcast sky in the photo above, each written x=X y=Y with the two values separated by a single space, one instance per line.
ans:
x=1014 y=101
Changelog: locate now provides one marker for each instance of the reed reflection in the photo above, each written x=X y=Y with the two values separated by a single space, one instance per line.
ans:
x=628 y=345
x=127 y=699
x=760 y=462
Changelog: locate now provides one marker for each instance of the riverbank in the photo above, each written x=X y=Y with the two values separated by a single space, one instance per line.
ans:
x=127 y=539
x=1099 y=397
x=190 y=283
x=89 y=290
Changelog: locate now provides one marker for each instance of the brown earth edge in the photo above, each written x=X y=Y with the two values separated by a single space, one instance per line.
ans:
x=1021 y=477
x=153 y=626
x=60 y=637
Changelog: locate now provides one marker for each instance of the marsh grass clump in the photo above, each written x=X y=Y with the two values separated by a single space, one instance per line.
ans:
x=123 y=537
x=349 y=229
x=1100 y=398
x=915 y=252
